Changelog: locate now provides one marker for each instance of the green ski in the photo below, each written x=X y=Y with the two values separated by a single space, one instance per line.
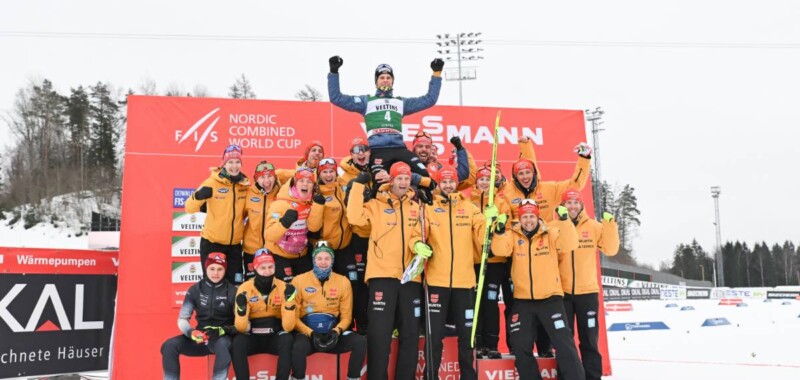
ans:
x=487 y=234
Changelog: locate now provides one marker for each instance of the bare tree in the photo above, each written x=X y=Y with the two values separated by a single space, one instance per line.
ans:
x=242 y=89
x=148 y=87
x=200 y=91
x=309 y=94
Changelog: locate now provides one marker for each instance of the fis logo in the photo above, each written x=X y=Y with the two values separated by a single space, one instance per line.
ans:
x=194 y=133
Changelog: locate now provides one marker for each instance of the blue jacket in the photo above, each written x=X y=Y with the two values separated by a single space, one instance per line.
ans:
x=359 y=104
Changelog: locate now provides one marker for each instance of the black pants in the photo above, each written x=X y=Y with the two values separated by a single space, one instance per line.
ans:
x=233 y=257
x=183 y=345
x=351 y=263
x=584 y=308
x=286 y=269
x=390 y=305
x=350 y=342
x=487 y=334
x=507 y=285
x=245 y=345
x=525 y=318
x=459 y=303
x=385 y=157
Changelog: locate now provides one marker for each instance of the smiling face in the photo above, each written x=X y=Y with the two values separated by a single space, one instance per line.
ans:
x=424 y=151
x=327 y=176
x=574 y=207
x=233 y=166
x=448 y=186
x=314 y=155
x=215 y=272
x=401 y=184
x=305 y=187
x=361 y=158
x=266 y=269
x=323 y=260
x=528 y=221
x=266 y=182
x=525 y=177
x=483 y=184
x=384 y=81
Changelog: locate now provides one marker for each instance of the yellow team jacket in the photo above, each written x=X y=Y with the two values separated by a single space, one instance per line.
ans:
x=331 y=219
x=332 y=297
x=287 y=243
x=392 y=220
x=579 y=267
x=349 y=173
x=534 y=262
x=455 y=230
x=481 y=199
x=264 y=312
x=256 y=209
x=224 y=210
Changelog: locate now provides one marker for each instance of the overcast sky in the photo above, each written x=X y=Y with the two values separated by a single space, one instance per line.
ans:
x=696 y=93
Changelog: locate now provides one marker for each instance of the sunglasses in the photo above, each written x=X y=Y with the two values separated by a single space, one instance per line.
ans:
x=233 y=148
x=218 y=257
x=528 y=202
x=327 y=161
x=358 y=149
x=423 y=134
x=305 y=169
x=263 y=165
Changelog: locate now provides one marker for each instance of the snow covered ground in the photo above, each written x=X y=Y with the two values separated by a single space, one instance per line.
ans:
x=760 y=343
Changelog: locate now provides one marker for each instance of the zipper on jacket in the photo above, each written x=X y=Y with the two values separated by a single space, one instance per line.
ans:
x=233 y=208
x=530 y=264
x=574 y=278
x=341 y=217
x=452 y=253
x=263 y=221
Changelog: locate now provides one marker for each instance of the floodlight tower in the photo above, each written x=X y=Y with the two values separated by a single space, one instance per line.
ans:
x=460 y=47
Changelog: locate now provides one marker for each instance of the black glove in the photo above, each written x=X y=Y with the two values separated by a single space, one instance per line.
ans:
x=204 y=192
x=320 y=341
x=319 y=199
x=288 y=218
x=289 y=293
x=335 y=63
x=456 y=141
x=363 y=178
x=241 y=304
x=437 y=64
x=331 y=338
x=425 y=195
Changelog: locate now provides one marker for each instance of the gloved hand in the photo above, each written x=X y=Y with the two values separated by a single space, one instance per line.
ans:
x=321 y=341
x=437 y=64
x=289 y=293
x=423 y=250
x=362 y=178
x=500 y=227
x=331 y=338
x=204 y=192
x=491 y=212
x=335 y=63
x=241 y=304
x=318 y=198
x=214 y=331
x=584 y=150
x=456 y=141
x=607 y=216
x=562 y=212
x=199 y=337
x=288 y=218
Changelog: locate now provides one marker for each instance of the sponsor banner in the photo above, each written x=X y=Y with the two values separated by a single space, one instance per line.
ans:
x=715 y=322
x=180 y=195
x=179 y=293
x=615 y=282
x=749 y=293
x=698 y=294
x=55 y=323
x=186 y=273
x=730 y=301
x=638 y=326
x=673 y=293
x=783 y=295
x=182 y=221
x=619 y=307
x=503 y=369
x=628 y=294
x=319 y=366
x=47 y=261
x=186 y=246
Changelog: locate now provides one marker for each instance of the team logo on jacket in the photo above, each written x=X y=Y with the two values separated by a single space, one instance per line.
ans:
x=276 y=299
x=541 y=243
x=539 y=196
x=389 y=211
x=359 y=257
x=255 y=199
x=294 y=204
x=223 y=191
x=332 y=292
x=254 y=299
x=311 y=289
x=438 y=209
x=460 y=211
x=516 y=200
x=434 y=298
x=514 y=317
x=288 y=271
x=520 y=242
x=378 y=296
x=585 y=234
x=328 y=198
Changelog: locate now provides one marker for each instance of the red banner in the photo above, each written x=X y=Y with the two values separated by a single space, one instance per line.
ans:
x=57 y=261
x=172 y=142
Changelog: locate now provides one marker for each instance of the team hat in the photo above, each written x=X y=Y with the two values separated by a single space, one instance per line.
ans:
x=231 y=152
x=571 y=194
x=522 y=164
x=264 y=168
x=399 y=168
x=262 y=256
x=216 y=258
x=528 y=206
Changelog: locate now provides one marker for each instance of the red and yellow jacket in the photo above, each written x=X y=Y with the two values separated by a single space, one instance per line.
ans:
x=255 y=210
x=331 y=217
x=547 y=194
x=349 y=173
x=264 y=312
x=579 y=267
x=535 y=261
x=334 y=297
x=481 y=199
x=392 y=222
x=288 y=243
x=224 y=210
x=454 y=229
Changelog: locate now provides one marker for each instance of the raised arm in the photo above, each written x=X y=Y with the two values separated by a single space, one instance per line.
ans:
x=346 y=102
x=414 y=105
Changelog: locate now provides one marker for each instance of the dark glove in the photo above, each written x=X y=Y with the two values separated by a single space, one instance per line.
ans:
x=241 y=304
x=204 y=192
x=425 y=195
x=456 y=141
x=335 y=63
x=289 y=293
x=331 y=338
x=500 y=228
x=320 y=341
x=215 y=331
x=437 y=64
x=363 y=178
x=288 y=218
x=318 y=199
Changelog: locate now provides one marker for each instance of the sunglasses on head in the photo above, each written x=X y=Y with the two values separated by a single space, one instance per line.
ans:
x=305 y=169
x=358 y=149
x=218 y=257
x=528 y=202
x=422 y=134
x=327 y=161
x=233 y=148
x=265 y=166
